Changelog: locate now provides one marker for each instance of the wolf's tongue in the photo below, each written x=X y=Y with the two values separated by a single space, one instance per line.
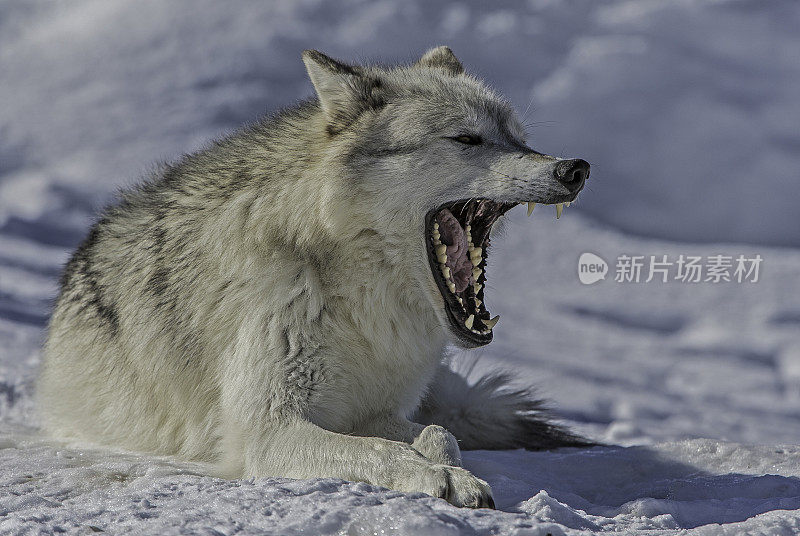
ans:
x=455 y=239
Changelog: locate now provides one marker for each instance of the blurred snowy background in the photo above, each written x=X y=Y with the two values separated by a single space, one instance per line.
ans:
x=688 y=111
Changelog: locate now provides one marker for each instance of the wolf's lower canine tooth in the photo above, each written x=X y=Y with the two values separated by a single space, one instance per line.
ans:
x=468 y=322
x=451 y=286
x=491 y=322
x=441 y=249
x=559 y=208
x=531 y=206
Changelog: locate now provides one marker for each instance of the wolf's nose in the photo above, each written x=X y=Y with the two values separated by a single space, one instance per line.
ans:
x=572 y=173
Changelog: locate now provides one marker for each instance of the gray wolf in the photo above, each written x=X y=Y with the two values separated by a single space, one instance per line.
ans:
x=279 y=303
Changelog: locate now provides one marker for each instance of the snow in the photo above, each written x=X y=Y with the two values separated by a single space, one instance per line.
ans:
x=691 y=484
x=687 y=111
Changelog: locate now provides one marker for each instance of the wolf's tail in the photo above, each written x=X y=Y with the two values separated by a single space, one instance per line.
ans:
x=492 y=414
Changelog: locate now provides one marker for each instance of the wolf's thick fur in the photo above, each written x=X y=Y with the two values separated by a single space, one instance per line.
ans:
x=266 y=303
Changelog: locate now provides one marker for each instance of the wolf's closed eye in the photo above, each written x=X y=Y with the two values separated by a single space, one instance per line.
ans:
x=468 y=139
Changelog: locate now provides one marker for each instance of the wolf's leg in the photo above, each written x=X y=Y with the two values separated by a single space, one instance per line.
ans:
x=304 y=450
x=432 y=441
x=266 y=431
x=438 y=445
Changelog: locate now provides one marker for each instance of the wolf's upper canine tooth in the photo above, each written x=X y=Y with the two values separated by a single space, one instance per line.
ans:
x=451 y=286
x=559 y=208
x=468 y=322
x=476 y=273
x=531 y=206
x=491 y=322
x=441 y=249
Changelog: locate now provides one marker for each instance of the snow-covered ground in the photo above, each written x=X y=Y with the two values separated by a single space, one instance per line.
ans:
x=688 y=112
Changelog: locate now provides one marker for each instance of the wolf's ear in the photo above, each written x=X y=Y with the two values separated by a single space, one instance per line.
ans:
x=443 y=58
x=344 y=91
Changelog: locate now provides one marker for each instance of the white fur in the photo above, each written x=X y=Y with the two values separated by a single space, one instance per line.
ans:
x=271 y=309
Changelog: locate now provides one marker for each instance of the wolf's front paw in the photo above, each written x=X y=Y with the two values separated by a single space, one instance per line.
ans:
x=438 y=445
x=457 y=486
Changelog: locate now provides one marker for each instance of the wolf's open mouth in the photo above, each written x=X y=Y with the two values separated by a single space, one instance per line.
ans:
x=457 y=241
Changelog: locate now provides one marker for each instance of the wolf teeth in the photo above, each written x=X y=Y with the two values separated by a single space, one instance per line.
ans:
x=476 y=256
x=492 y=322
x=559 y=209
x=531 y=206
x=468 y=322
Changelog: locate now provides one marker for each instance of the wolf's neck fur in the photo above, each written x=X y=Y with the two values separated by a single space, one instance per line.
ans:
x=300 y=166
